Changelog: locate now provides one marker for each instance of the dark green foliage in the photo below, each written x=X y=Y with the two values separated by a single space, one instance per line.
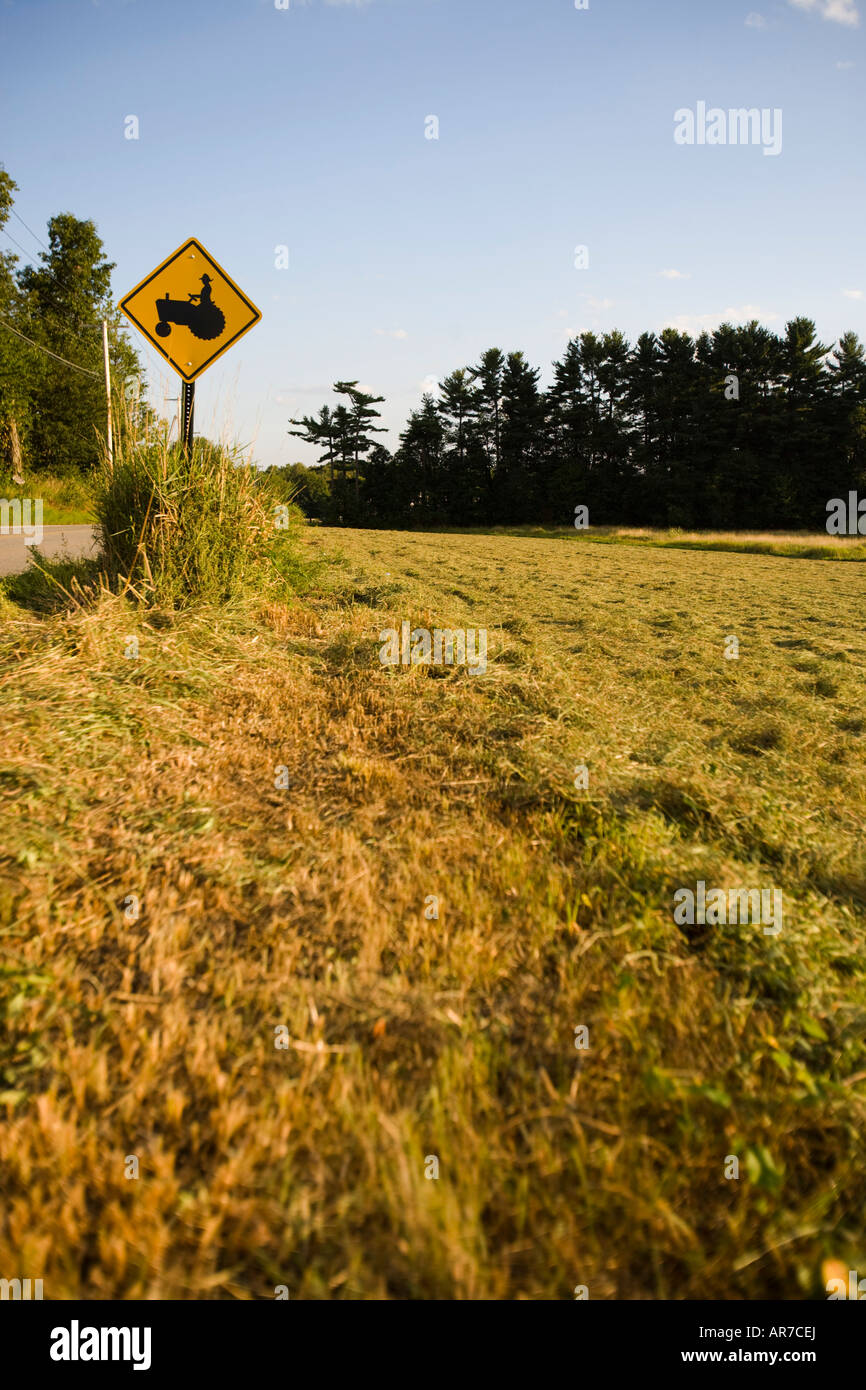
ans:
x=343 y=435
x=52 y=415
x=740 y=429
x=15 y=393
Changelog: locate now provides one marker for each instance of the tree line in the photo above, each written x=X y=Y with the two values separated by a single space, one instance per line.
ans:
x=741 y=427
x=52 y=382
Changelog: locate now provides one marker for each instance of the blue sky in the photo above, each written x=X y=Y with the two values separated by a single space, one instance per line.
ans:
x=306 y=127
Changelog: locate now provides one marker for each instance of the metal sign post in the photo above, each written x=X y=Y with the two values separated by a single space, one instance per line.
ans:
x=187 y=407
x=109 y=441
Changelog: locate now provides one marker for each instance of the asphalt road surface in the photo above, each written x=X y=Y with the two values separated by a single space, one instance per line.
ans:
x=74 y=541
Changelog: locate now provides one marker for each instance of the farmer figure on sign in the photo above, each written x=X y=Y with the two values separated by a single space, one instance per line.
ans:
x=203 y=295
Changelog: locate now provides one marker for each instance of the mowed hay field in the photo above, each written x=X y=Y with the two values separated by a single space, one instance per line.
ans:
x=146 y=1030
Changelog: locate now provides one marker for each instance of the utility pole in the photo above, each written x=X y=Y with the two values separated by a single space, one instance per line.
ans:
x=107 y=392
x=17 y=475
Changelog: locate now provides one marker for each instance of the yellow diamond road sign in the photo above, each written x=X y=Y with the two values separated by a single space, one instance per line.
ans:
x=190 y=309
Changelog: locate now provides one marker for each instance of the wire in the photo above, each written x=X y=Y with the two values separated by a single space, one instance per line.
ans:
x=29 y=229
x=74 y=365
x=61 y=313
x=35 y=237
x=17 y=243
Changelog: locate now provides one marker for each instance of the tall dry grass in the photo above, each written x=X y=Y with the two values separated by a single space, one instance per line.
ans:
x=178 y=528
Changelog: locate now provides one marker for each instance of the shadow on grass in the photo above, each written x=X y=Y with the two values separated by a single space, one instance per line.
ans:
x=48 y=585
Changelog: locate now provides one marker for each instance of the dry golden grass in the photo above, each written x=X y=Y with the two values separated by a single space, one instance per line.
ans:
x=800 y=545
x=792 y=543
x=453 y=1038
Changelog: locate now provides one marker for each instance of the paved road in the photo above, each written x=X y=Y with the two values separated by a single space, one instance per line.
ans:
x=75 y=541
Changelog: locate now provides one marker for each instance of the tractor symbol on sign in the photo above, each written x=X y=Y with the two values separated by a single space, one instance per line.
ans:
x=200 y=315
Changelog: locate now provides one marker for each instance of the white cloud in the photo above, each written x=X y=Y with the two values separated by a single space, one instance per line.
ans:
x=756 y=21
x=747 y=312
x=843 y=66
x=674 y=275
x=392 y=333
x=853 y=294
x=428 y=385
x=839 y=11
x=692 y=323
x=597 y=306
x=697 y=323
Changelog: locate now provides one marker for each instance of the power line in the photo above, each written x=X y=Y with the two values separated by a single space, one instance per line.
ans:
x=48 y=270
x=30 y=229
x=16 y=243
x=61 y=313
x=34 y=235
x=53 y=273
x=74 y=365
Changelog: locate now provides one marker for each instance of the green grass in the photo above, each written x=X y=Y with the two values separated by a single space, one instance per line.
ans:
x=66 y=500
x=410 y=1035
x=183 y=529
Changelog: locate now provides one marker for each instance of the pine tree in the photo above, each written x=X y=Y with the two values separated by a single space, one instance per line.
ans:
x=487 y=378
x=565 y=470
x=421 y=464
x=644 y=371
x=847 y=370
x=466 y=461
x=319 y=431
x=804 y=453
x=359 y=427
x=521 y=442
